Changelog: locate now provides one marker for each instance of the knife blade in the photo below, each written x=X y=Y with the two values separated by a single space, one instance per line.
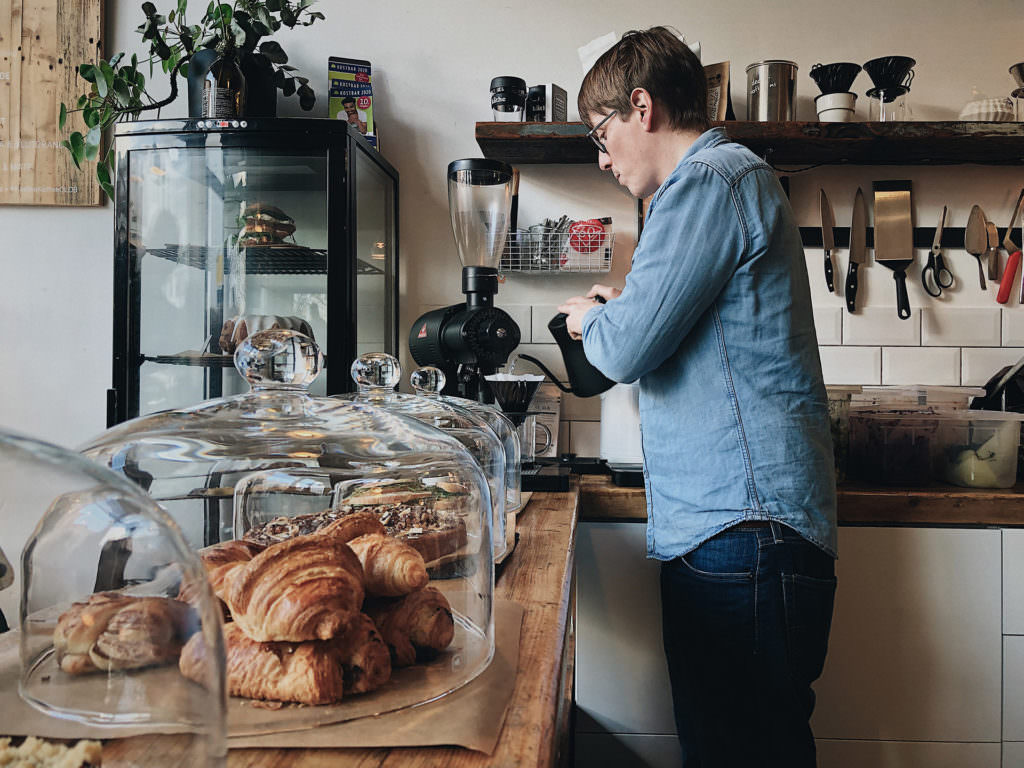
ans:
x=858 y=248
x=827 y=241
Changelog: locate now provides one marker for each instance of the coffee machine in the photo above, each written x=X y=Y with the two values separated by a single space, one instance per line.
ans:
x=471 y=340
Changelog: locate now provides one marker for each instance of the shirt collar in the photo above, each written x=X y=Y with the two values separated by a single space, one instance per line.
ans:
x=710 y=138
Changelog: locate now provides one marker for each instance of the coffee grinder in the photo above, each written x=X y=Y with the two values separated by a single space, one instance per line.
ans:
x=472 y=340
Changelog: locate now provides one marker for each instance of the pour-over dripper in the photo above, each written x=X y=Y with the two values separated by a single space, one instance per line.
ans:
x=835 y=78
x=890 y=71
x=514 y=393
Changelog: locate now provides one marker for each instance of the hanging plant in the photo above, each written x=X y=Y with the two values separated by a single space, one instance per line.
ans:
x=117 y=86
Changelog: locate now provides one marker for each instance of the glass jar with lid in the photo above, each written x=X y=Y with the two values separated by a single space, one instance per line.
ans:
x=278 y=471
x=377 y=374
x=103 y=615
x=429 y=381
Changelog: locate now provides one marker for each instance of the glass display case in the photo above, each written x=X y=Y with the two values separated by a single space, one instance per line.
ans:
x=224 y=228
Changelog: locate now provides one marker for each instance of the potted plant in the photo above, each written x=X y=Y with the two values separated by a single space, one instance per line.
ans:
x=117 y=89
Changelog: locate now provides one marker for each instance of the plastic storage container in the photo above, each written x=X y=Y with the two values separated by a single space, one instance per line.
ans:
x=893 y=446
x=839 y=399
x=376 y=375
x=978 y=449
x=101 y=626
x=276 y=464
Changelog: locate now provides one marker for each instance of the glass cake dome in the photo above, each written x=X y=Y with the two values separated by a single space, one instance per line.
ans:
x=268 y=482
x=429 y=381
x=104 y=615
x=377 y=374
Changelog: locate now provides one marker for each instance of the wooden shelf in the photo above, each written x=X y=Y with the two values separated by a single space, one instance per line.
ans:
x=795 y=143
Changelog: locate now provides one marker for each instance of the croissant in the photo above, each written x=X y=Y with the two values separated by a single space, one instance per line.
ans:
x=364 y=655
x=352 y=526
x=113 y=631
x=306 y=588
x=391 y=567
x=307 y=673
x=414 y=626
x=219 y=561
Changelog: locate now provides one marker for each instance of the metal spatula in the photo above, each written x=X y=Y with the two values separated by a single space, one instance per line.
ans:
x=894 y=235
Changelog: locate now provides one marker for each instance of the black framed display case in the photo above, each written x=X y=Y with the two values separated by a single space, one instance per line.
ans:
x=275 y=222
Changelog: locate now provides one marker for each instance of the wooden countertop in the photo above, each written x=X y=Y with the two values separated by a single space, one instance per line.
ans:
x=858 y=504
x=538 y=575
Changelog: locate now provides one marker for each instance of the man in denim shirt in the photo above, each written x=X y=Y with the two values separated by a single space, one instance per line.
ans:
x=715 y=323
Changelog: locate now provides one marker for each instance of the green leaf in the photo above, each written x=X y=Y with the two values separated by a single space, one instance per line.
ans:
x=305 y=4
x=63 y=117
x=92 y=143
x=82 y=101
x=315 y=15
x=274 y=52
x=288 y=68
x=182 y=5
x=183 y=70
x=135 y=61
x=116 y=58
x=76 y=144
x=273 y=5
x=89 y=72
x=108 y=189
x=170 y=17
x=90 y=116
x=288 y=16
x=288 y=87
x=103 y=172
x=307 y=99
x=108 y=75
x=149 y=9
x=238 y=32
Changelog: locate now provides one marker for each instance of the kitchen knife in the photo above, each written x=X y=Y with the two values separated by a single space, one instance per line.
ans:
x=1006 y=285
x=827 y=241
x=858 y=248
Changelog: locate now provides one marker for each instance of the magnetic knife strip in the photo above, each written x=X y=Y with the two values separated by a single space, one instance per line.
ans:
x=952 y=237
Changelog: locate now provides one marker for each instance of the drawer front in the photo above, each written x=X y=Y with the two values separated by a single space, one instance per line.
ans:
x=907 y=754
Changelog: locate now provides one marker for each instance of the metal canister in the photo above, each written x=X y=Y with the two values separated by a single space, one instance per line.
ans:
x=771 y=90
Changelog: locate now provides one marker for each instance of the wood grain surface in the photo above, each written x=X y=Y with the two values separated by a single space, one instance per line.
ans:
x=538 y=576
x=42 y=42
x=600 y=501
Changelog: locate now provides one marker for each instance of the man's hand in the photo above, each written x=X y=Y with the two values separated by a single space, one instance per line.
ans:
x=578 y=306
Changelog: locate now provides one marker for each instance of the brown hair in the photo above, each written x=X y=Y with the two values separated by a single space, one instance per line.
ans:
x=658 y=61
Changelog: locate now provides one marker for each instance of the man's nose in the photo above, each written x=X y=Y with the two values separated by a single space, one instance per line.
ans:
x=604 y=162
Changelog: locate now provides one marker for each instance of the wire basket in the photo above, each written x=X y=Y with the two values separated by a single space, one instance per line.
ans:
x=532 y=251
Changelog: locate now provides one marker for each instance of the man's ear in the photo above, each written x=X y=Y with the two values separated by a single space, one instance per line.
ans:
x=641 y=101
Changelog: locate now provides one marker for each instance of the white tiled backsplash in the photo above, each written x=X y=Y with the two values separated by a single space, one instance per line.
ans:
x=939 y=345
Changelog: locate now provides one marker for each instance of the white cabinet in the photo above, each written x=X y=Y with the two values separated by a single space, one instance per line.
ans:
x=908 y=754
x=916 y=645
x=1013 y=582
x=1013 y=754
x=1013 y=688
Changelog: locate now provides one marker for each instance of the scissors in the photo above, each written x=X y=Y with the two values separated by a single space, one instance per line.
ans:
x=935 y=276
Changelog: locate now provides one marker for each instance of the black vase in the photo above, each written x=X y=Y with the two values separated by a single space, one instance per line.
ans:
x=261 y=94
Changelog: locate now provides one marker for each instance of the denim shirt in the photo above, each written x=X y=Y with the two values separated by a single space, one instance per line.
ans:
x=715 y=322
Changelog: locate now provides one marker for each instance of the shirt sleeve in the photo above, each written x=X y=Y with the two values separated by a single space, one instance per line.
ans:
x=691 y=245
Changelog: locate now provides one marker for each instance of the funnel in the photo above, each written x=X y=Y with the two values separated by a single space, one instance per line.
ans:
x=890 y=71
x=835 y=78
x=514 y=393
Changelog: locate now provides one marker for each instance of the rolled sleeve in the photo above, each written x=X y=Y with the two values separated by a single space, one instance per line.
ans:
x=692 y=244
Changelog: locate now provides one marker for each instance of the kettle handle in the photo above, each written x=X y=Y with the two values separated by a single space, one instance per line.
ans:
x=545 y=370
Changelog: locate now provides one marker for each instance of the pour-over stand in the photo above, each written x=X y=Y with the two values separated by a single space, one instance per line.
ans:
x=513 y=396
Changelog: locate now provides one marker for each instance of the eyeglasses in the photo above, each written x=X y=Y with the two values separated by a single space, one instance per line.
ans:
x=592 y=133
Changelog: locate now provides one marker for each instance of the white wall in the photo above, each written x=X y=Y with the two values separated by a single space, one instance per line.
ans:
x=433 y=63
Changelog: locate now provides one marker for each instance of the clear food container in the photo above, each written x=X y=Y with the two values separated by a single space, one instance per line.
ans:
x=893 y=446
x=911 y=397
x=277 y=481
x=429 y=381
x=102 y=617
x=979 y=449
x=839 y=399
x=377 y=374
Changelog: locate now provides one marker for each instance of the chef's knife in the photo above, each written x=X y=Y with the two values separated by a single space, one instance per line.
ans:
x=827 y=241
x=858 y=248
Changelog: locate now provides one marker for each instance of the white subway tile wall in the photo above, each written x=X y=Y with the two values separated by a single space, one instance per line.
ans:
x=939 y=345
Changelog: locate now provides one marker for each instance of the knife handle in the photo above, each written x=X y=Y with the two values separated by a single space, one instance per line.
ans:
x=902 y=298
x=851 y=286
x=1006 y=284
x=828 y=273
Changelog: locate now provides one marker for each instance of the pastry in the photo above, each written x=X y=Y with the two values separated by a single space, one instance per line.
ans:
x=306 y=673
x=219 y=561
x=415 y=627
x=306 y=588
x=265 y=225
x=44 y=754
x=113 y=631
x=364 y=655
x=240 y=327
x=391 y=567
x=353 y=526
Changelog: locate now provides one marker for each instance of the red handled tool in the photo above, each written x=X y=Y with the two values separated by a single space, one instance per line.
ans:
x=1006 y=284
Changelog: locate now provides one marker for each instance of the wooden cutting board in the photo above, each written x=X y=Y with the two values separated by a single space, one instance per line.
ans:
x=42 y=42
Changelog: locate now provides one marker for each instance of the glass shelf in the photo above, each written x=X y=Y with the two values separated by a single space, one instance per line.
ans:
x=264 y=260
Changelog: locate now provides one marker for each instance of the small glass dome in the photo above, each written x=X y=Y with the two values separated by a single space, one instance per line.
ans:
x=377 y=374
x=271 y=481
x=101 y=623
x=429 y=381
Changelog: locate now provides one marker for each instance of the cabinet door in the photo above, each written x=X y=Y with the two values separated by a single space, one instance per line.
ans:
x=621 y=675
x=915 y=650
x=906 y=754
x=1013 y=688
x=616 y=750
x=1013 y=582
x=1013 y=754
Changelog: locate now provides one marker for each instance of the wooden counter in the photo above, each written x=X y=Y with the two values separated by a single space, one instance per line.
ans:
x=858 y=505
x=538 y=575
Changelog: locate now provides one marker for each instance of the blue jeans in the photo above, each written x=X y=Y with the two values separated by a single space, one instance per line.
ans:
x=746 y=619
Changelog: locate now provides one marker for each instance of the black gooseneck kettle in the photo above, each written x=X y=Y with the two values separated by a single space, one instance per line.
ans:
x=584 y=379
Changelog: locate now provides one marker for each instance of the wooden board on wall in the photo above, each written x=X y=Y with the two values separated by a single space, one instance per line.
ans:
x=42 y=42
